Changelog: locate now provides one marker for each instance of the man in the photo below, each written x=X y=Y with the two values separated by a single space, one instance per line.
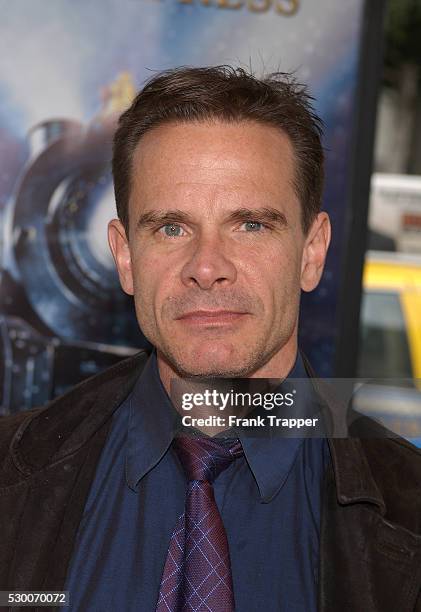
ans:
x=218 y=181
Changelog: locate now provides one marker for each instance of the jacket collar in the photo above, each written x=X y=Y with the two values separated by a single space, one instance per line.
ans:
x=68 y=422
x=353 y=477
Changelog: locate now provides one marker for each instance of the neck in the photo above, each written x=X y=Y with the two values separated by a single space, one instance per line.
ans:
x=277 y=367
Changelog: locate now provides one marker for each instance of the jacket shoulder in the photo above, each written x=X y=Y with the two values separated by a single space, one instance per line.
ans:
x=395 y=465
x=38 y=434
x=10 y=425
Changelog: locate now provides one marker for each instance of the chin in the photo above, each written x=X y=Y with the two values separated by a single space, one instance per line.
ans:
x=221 y=364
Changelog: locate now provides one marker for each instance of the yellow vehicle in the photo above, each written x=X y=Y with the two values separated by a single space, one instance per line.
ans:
x=390 y=328
x=390 y=343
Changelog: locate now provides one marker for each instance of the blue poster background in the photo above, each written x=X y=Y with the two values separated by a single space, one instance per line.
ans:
x=67 y=69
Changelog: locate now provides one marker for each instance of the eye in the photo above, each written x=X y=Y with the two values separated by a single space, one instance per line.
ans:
x=253 y=226
x=172 y=230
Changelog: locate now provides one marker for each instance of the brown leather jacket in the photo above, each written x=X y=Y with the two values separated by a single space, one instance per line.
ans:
x=370 y=550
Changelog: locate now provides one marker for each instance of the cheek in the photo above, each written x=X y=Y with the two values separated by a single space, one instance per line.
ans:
x=153 y=282
x=275 y=265
x=146 y=275
x=279 y=281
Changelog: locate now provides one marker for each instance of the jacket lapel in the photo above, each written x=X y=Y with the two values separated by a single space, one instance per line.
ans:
x=55 y=453
x=47 y=520
x=366 y=562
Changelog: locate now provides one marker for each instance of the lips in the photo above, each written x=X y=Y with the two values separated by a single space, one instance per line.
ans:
x=211 y=316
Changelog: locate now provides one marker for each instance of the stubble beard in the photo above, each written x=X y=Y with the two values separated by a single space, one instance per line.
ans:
x=253 y=360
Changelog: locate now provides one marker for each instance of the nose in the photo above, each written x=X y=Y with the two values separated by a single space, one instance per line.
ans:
x=209 y=264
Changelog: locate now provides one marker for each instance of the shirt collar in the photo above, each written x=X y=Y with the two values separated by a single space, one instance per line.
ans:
x=271 y=458
x=153 y=421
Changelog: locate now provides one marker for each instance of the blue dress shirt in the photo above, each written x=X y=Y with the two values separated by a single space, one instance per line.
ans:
x=269 y=500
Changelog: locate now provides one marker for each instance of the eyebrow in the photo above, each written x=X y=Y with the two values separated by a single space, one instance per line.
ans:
x=266 y=215
x=162 y=217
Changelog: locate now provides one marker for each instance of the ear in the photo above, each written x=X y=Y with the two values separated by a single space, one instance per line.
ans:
x=119 y=246
x=314 y=253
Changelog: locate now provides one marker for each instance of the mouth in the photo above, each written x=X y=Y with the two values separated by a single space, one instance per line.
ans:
x=212 y=318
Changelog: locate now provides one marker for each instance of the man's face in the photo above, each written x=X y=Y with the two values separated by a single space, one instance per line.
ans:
x=216 y=256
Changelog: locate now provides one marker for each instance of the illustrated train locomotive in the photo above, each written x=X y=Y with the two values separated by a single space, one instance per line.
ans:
x=63 y=315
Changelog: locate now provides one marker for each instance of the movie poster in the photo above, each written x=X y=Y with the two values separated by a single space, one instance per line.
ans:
x=68 y=68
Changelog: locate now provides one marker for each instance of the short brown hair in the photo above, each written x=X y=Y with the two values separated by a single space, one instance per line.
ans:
x=187 y=94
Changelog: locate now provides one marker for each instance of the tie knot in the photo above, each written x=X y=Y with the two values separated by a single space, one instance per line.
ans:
x=204 y=458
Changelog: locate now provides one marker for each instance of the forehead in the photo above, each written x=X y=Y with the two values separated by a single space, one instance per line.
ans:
x=208 y=157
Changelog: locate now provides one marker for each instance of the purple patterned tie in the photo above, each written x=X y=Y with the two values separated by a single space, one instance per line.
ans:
x=197 y=572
